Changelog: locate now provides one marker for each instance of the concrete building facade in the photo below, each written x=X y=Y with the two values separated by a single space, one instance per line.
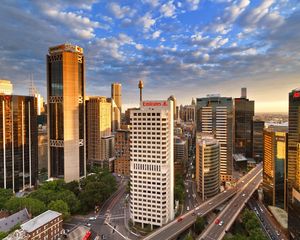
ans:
x=152 y=164
x=215 y=116
x=98 y=129
x=66 y=112
x=122 y=150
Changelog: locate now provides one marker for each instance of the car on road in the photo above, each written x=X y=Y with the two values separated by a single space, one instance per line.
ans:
x=221 y=223
x=88 y=224
x=188 y=208
x=210 y=203
x=179 y=219
x=244 y=195
x=92 y=218
x=199 y=214
x=243 y=181
x=217 y=221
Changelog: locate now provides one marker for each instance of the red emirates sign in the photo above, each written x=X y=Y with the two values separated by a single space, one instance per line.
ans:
x=296 y=94
x=155 y=104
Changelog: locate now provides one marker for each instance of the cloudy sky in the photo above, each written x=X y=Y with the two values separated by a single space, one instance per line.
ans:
x=188 y=48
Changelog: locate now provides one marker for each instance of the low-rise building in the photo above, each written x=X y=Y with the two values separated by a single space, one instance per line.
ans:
x=47 y=225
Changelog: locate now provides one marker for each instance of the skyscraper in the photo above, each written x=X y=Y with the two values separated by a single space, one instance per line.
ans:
x=6 y=87
x=98 y=128
x=207 y=165
x=18 y=142
x=293 y=165
x=214 y=114
x=243 y=115
x=116 y=104
x=257 y=139
x=152 y=165
x=66 y=112
x=274 y=166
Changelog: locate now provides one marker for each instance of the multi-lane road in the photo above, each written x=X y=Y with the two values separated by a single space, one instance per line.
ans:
x=218 y=228
x=180 y=224
x=268 y=223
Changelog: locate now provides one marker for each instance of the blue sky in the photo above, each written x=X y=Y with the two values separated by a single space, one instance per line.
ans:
x=186 y=48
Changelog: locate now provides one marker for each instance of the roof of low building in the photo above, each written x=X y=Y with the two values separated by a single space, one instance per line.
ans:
x=40 y=220
x=9 y=222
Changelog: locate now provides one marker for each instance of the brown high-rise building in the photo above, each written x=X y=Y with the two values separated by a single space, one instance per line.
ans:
x=98 y=119
x=293 y=165
x=122 y=150
x=116 y=101
x=66 y=112
x=274 y=171
x=18 y=142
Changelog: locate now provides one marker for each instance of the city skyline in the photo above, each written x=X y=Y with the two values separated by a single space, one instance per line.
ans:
x=168 y=44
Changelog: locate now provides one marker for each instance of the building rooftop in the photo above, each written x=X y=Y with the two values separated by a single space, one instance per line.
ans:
x=239 y=157
x=40 y=220
x=9 y=222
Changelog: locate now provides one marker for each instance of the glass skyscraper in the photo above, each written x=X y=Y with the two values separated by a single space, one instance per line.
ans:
x=274 y=171
x=293 y=165
x=18 y=142
x=66 y=112
x=243 y=115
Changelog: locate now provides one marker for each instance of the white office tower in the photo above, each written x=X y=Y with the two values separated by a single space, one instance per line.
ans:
x=152 y=164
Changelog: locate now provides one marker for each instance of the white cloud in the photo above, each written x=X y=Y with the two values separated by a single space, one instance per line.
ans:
x=121 y=12
x=81 y=26
x=259 y=12
x=124 y=39
x=206 y=57
x=168 y=9
x=139 y=46
x=193 y=4
x=218 y=42
x=153 y=3
x=156 y=34
x=147 y=21
x=235 y=10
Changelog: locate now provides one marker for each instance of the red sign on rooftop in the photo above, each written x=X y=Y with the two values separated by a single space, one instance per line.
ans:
x=296 y=94
x=155 y=104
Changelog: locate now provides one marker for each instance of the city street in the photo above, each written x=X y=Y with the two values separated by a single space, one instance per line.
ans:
x=268 y=223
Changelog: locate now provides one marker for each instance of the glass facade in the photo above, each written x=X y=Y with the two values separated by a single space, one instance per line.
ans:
x=293 y=173
x=18 y=142
x=257 y=140
x=274 y=164
x=244 y=112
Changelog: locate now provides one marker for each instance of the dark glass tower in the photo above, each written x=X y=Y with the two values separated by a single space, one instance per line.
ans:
x=18 y=142
x=66 y=112
x=244 y=113
x=293 y=165
x=257 y=140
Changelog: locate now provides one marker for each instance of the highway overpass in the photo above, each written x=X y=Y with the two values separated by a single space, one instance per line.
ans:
x=218 y=228
x=174 y=228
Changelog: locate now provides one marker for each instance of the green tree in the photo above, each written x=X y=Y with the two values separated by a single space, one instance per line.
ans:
x=60 y=206
x=73 y=187
x=188 y=237
x=251 y=224
x=257 y=234
x=3 y=235
x=5 y=195
x=199 y=225
x=34 y=206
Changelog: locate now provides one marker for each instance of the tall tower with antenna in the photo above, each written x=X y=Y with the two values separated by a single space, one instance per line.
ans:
x=141 y=86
